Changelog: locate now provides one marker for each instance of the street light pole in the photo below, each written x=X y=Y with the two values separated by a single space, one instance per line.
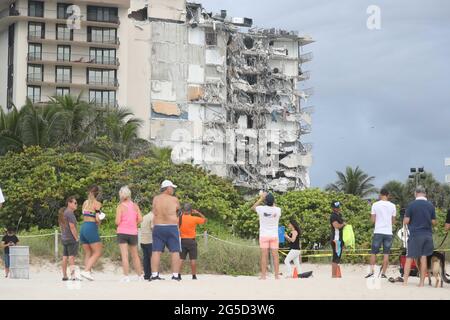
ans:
x=417 y=174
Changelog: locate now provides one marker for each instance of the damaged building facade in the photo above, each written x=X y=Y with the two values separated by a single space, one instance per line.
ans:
x=222 y=94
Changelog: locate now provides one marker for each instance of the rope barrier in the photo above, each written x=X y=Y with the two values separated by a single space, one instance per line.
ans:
x=283 y=251
x=37 y=236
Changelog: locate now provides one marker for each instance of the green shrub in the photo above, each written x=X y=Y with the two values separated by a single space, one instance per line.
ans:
x=36 y=183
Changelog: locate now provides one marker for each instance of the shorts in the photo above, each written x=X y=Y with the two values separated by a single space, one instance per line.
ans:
x=166 y=235
x=130 y=239
x=337 y=246
x=378 y=239
x=420 y=245
x=6 y=260
x=188 y=246
x=268 y=242
x=89 y=233
x=70 y=248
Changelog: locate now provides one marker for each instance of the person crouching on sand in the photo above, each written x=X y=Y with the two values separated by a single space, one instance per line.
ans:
x=269 y=216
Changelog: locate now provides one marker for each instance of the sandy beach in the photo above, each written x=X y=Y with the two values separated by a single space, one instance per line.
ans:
x=45 y=283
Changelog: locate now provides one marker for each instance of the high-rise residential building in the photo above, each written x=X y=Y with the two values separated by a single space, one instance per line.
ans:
x=59 y=47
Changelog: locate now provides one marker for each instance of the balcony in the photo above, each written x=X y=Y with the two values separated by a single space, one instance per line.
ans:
x=303 y=58
x=74 y=82
x=76 y=60
x=9 y=15
x=302 y=76
x=80 y=39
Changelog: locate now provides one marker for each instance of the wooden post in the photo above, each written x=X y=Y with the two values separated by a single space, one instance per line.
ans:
x=56 y=245
x=205 y=238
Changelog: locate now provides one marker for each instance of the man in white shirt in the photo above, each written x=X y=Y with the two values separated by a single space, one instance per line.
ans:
x=383 y=216
x=269 y=216
x=2 y=199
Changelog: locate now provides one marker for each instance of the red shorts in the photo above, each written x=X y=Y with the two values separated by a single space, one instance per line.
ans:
x=268 y=242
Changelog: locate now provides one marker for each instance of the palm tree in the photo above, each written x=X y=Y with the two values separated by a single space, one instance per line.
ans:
x=10 y=139
x=102 y=133
x=161 y=154
x=117 y=135
x=397 y=192
x=78 y=118
x=354 y=181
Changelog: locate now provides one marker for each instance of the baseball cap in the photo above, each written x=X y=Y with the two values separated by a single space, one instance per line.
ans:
x=335 y=204
x=167 y=183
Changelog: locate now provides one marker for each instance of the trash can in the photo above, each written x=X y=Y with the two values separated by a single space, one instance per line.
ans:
x=19 y=266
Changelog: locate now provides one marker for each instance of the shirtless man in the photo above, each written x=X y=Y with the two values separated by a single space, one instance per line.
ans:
x=165 y=230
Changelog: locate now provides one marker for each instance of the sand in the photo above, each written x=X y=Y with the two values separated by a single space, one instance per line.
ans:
x=45 y=283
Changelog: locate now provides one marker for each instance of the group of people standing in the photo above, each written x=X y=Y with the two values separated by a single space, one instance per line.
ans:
x=419 y=218
x=171 y=226
x=166 y=226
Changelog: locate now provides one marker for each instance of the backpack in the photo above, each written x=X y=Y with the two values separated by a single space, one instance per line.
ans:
x=348 y=236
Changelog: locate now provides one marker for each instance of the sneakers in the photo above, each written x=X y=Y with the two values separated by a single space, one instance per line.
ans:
x=176 y=278
x=87 y=275
x=65 y=279
x=369 y=275
x=125 y=279
x=194 y=277
x=156 y=278
x=383 y=276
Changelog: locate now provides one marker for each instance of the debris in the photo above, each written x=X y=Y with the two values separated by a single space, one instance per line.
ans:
x=166 y=108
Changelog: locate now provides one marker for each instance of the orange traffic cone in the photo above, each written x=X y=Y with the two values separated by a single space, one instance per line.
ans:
x=338 y=272
x=295 y=274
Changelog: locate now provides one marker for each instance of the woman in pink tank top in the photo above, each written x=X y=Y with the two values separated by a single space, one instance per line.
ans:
x=128 y=216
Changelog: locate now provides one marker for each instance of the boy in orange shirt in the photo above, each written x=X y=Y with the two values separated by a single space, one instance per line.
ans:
x=188 y=225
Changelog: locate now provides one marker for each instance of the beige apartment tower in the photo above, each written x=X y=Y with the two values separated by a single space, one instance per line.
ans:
x=51 y=48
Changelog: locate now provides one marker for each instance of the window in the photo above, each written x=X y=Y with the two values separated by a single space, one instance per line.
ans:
x=35 y=73
x=102 y=14
x=36 y=30
x=102 y=77
x=210 y=37
x=36 y=8
x=60 y=92
x=34 y=51
x=62 y=11
x=63 y=74
x=64 y=53
x=34 y=93
x=102 y=97
x=63 y=32
x=102 y=35
x=102 y=56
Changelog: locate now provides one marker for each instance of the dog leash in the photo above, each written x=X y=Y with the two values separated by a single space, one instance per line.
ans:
x=442 y=241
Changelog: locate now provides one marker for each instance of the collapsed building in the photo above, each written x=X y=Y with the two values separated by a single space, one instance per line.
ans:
x=223 y=94
x=226 y=95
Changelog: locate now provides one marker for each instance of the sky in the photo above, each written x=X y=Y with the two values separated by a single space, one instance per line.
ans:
x=381 y=97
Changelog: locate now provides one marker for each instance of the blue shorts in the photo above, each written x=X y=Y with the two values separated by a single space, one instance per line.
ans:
x=420 y=245
x=89 y=233
x=381 y=239
x=166 y=235
x=6 y=260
